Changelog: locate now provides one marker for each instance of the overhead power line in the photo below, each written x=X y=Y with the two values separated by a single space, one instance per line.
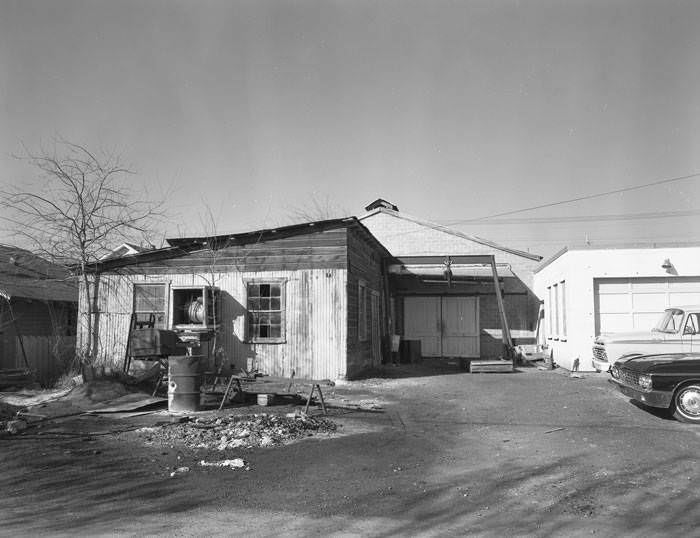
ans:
x=581 y=198
x=581 y=218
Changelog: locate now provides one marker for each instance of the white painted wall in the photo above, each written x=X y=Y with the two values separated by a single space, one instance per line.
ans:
x=578 y=268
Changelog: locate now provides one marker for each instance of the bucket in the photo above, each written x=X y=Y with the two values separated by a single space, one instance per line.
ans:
x=266 y=399
x=184 y=382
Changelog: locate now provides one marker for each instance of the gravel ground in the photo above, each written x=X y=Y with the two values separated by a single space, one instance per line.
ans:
x=531 y=453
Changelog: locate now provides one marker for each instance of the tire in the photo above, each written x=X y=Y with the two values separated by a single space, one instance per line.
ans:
x=686 y=404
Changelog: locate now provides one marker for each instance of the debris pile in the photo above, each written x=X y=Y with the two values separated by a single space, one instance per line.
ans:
x=238 y=431
x=8 y=418
x=233 y=464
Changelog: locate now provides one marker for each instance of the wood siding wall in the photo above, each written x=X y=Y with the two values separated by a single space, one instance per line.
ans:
x=314 y=269
x=315 y=328
x=364 y=263
x=40 y=318
x=321 y=250
x=48 y=334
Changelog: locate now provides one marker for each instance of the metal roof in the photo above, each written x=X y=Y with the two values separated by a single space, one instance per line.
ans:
x=180 y=246
x=27 y=276
x=450 y=231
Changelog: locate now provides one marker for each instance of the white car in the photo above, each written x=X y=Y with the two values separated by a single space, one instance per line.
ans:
x=677 y=331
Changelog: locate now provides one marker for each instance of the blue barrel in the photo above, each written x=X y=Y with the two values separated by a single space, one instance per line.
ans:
x=184 y=383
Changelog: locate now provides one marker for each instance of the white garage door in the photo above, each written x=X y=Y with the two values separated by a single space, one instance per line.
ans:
x=630 y=304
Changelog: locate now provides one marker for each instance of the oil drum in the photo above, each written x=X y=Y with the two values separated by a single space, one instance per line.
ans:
x=184 y=383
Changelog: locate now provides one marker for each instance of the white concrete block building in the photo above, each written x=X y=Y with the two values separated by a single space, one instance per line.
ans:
x=591 y=291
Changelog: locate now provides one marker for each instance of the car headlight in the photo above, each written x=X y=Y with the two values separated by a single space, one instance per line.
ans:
x=645 y=381
x=615 y=372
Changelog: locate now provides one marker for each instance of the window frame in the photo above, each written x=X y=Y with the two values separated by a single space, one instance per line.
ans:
x=692 y=321
x=562 y=296
x=163 y=323
x=249 y=336
x=550 y=314
x=363 y=294
x=555 y=287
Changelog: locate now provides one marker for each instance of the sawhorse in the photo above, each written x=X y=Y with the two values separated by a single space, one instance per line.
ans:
x=315 y=386
x=234 y=379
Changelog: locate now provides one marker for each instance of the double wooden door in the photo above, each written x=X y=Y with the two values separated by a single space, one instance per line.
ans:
x=447 y=326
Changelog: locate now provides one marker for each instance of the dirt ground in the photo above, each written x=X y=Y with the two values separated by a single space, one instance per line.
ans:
x=533 y=453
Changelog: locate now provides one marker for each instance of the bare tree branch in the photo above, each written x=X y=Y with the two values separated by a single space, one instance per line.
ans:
x=317 y=207
x=77 y=209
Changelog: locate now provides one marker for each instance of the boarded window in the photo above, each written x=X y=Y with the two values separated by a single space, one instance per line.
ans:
x=266 y=311
x=150 y=304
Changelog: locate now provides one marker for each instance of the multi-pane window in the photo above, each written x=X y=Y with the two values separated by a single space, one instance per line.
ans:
x=265 y=311
x=150 y=304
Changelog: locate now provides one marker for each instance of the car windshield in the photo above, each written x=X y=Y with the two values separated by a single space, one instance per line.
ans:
x=670 y=321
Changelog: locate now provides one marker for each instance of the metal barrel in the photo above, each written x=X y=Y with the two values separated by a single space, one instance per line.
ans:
x=184 y=383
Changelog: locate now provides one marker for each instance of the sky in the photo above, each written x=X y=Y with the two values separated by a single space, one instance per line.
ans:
x=455 y=111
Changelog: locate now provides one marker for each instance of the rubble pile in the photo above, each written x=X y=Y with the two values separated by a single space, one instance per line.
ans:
x=238 y=431
x=8 y=421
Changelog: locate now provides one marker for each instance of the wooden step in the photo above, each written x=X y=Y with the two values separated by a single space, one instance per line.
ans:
x=479 y=366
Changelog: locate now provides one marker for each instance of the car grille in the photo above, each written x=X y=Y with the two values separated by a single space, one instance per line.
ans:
x=599 y=354
x=629 y=378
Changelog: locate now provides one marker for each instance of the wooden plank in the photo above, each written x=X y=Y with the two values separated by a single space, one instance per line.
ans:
x=301 y=250
x=238 y=268
x=271 y=258
x=487 y=366
x=507 y=341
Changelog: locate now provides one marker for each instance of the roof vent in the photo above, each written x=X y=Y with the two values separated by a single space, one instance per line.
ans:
x=379 y=203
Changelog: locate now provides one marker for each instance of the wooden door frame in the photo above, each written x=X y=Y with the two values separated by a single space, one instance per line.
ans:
x=441 y=333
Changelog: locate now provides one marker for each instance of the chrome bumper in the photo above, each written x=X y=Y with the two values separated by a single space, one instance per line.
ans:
x=601 y=366
x=652 y=398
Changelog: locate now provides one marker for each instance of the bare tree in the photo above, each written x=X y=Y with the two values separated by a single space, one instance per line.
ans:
x=211 y=278
x=75 y=211
x=317 y=207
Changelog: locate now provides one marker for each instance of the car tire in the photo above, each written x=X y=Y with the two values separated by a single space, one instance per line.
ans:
x=686 y=404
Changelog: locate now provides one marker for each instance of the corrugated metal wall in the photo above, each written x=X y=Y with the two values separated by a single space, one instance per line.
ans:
x=316 y=324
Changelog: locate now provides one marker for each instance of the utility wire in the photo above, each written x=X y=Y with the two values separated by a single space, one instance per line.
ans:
x=580 y=198
x=581 y=218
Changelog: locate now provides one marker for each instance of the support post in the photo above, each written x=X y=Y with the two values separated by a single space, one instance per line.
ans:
x=505 y=331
